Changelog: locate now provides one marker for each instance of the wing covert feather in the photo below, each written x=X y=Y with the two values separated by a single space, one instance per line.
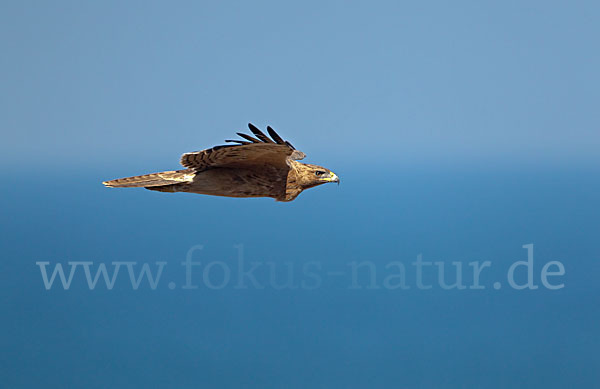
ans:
x=253 y=154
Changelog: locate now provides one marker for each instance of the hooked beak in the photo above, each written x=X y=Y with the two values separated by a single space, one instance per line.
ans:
x=333 y=178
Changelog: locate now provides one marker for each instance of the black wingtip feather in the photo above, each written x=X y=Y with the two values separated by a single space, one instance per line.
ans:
x=248 y=137
x=262 y=138
x=242 y=142
x=275 y=136
x=259 y=134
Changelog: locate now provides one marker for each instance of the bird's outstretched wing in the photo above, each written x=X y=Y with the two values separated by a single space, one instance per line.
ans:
x=248 y=153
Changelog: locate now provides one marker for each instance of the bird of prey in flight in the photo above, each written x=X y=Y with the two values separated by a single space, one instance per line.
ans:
x=254 y=167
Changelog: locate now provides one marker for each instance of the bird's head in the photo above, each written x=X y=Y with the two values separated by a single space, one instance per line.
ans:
x=309 y=176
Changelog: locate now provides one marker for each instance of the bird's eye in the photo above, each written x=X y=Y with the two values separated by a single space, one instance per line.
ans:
x=319 y=172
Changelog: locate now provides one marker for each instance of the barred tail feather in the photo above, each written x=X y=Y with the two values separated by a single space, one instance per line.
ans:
x=154 y=179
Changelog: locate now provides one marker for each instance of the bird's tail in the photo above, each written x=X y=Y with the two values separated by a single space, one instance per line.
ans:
x=152 y=180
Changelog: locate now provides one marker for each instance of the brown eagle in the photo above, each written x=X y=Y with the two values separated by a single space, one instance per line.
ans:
x=254 y=167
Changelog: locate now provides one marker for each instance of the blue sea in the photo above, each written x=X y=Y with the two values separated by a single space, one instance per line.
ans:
x=303 y=317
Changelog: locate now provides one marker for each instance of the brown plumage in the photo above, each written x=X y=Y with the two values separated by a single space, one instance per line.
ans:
x=257 y=166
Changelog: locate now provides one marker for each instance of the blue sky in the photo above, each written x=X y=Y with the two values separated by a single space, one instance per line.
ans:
x=461 y=131
x=501 y=83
